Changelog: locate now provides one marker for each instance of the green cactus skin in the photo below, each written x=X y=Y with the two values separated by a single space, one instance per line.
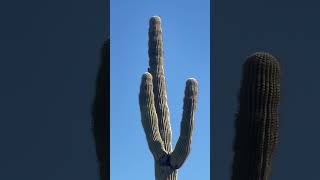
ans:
x=99 y=113
x=257 y=120
x=155 y=114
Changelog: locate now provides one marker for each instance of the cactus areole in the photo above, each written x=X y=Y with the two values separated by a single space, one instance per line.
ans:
x=155 y=114
x=257 y=120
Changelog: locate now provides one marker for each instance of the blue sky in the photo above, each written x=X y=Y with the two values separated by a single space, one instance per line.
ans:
x=186 y=35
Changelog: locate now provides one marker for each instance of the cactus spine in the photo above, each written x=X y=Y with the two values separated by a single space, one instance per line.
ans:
x=257 y=120
x=155 y=114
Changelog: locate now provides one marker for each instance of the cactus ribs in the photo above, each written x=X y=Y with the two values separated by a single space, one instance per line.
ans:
x=257 y=120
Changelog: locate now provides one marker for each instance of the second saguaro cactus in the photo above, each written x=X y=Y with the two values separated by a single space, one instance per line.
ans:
x=155 y=114
x=258 y=118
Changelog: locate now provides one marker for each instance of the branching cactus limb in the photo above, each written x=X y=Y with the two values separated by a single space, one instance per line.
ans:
x=150 y=119
x=155 y=114
x=182 y=148
x=257 y=120
x=156 y=69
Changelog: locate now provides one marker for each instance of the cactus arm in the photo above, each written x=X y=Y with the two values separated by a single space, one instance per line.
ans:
x=149 y=118
x=183 y=146
x=156 y=69
x=257 y=120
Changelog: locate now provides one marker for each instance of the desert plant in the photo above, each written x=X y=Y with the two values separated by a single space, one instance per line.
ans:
x=99 y=112
x=257 y=120
x=155 y=112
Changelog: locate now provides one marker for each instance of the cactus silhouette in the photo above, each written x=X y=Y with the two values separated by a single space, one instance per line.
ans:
x=155 y=112
x=99 y=112
x=257 y=120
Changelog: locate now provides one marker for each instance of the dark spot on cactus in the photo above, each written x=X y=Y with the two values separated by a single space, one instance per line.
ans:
x=164 y=160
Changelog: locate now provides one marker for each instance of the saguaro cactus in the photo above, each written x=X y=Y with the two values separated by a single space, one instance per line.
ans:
x=257 y=120
x=155 y=112
x=99 y=112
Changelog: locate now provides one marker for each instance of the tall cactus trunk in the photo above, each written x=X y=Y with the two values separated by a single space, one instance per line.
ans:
x=99 y=112
x=165 y=172
x=155 y=114
x=258 y=118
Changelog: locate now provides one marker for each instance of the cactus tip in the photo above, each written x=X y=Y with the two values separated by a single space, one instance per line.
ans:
x=191 y=87
x=147 y=76
x=192 y=81
x=261 y=57
x=155 y=20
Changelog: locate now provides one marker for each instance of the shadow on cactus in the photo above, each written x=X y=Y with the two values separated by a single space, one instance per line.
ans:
x=99 y=112
x=257 y=120
x=155 y=115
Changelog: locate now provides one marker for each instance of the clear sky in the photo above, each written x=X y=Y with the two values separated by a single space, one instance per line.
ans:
x=186 y=35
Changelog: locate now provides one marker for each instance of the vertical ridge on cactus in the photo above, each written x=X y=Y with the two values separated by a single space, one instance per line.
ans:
x=155 y=116
x=257 y=120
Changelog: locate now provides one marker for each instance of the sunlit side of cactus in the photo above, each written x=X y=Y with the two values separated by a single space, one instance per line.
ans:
x=155 y=115
x=257 y=120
